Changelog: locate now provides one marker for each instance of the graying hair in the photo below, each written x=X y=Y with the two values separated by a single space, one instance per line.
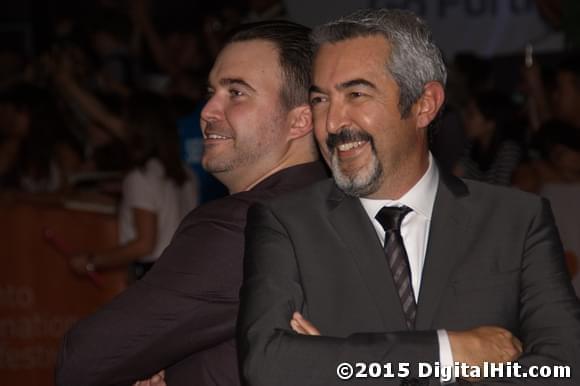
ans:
x=415 y=59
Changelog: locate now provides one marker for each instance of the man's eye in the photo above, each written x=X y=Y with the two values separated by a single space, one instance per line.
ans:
x=356 y=94
x=316 y=100
x=236 y=93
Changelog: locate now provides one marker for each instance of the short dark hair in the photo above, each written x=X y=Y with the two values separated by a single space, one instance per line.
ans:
x=294 y=53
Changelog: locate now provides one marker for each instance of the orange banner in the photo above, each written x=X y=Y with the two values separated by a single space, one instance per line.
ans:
x=40 y=298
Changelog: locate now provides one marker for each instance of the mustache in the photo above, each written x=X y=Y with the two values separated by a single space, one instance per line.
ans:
x=347 y=135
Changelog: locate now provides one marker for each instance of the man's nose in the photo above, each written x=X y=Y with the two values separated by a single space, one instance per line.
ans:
x=213 y=109
x=336 y=117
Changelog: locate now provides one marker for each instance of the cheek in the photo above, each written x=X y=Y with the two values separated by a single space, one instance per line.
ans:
x=395 y=137
x=319 y=118
x=374 y=116
x=237 y=115
x=371 y=121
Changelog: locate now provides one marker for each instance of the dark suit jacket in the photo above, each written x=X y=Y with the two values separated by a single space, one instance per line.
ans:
x=493 y=258
x=181 y=316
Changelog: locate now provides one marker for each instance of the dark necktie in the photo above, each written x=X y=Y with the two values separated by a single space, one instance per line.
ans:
x=390 y=218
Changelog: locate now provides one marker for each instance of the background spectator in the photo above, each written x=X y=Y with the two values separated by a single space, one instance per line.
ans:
x=157 y=191
x=492 y=153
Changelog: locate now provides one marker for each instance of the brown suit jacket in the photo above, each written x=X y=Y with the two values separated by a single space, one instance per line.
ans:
x=181 y=316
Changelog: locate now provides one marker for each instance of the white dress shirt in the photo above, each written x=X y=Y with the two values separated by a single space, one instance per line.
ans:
x=415 y=233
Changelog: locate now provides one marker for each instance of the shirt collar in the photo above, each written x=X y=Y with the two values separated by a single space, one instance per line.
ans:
x=420 y=198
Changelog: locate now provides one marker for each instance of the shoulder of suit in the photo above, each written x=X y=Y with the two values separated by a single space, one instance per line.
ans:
x=501 y=195
x=311 y=196
x=228 y=211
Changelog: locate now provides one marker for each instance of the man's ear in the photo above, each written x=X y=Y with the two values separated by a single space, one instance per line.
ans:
x=429 y=103
x=300 y=121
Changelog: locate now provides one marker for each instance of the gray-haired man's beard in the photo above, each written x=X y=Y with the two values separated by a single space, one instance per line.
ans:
x=368 y=179
x=364 y=183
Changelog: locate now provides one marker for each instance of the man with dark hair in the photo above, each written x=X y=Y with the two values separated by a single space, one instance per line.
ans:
x=394 y=266
x=181 y=316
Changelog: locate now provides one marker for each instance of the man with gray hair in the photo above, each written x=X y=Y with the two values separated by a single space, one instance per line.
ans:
x=394 y=270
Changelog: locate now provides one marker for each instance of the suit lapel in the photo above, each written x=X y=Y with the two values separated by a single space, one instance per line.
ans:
x=445 y=247
x=359 y=238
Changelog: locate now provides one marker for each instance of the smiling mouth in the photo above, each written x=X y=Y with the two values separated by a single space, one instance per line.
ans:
x=350 y=145
x=216 y=136
x=348 y=142
x=350 y=150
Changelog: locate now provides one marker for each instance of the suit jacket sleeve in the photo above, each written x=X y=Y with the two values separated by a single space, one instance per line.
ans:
x=187 y=302
x=549 y=309
x=271 y=354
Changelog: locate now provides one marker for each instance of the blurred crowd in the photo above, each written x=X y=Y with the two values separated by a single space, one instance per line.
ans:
x=526 y=136
x=118 y=83
x=108 y=103
x=71 y=107
x=64 y=111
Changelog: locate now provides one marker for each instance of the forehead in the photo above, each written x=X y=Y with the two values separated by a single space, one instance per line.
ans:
x=360 y=57
x=254 y=61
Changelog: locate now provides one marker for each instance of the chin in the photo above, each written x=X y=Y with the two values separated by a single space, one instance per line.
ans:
x=361 y=182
